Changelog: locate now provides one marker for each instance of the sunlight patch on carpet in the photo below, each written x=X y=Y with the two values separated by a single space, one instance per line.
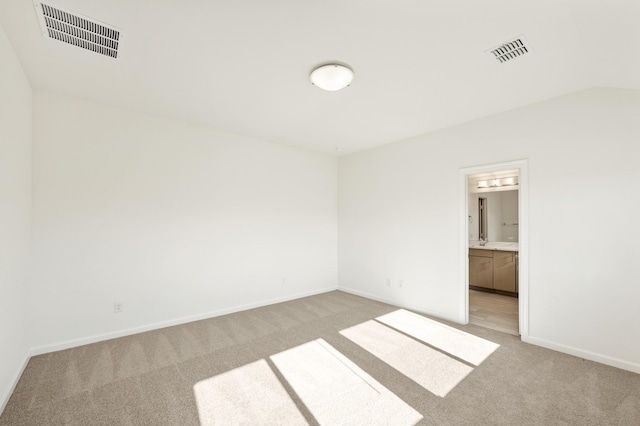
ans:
x=472 y=349
x=337 y=391
x=251 y=394
x=433 y=370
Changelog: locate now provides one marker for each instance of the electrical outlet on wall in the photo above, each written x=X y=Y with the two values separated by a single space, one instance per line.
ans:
x=117 y=307
x=400 y=284
x=388 y=282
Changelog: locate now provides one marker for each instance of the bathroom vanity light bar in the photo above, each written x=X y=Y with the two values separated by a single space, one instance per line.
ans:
x=495 y=183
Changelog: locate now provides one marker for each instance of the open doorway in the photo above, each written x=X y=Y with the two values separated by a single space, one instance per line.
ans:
x=493 y=250
x=495 y=264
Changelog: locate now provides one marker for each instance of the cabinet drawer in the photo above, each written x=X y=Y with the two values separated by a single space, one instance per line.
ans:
x=481 y=252
x=504 y=271
x=481 y=271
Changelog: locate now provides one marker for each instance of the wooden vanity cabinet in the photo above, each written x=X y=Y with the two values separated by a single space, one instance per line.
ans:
x=504 y=271
x=493 y=269
x=481 y=268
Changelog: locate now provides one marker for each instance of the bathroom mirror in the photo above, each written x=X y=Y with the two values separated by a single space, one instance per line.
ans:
x=500 y=216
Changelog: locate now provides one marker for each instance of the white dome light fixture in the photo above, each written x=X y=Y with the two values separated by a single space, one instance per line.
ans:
x=332 y=76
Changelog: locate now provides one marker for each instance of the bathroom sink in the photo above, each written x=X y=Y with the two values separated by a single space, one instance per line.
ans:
x=495 y=245
x=478 y=246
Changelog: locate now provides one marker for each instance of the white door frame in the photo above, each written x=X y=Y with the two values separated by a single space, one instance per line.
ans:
x=523 y=220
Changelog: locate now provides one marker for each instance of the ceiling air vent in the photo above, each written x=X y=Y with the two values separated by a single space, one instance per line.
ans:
x=77 y=30
x=510 y=50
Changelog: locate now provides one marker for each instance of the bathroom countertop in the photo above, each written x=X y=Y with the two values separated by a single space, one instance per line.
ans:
x=494 y=245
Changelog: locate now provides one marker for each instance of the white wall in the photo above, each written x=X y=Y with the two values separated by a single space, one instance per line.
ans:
x=399 y=210
x=15 y=216
x=171 y=219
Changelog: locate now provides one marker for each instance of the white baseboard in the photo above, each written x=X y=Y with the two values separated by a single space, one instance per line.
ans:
x=7 y=394
x=129 y=331
x=398 y=304
x=592 y=356
x=581 y=353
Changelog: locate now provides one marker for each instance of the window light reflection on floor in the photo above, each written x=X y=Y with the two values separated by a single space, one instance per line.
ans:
x=465 y=346
x=251 y=394
x=337 y=391
x=436 y=372
x=333 y=388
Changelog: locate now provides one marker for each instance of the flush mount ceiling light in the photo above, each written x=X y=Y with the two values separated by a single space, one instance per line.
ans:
x=331 y=77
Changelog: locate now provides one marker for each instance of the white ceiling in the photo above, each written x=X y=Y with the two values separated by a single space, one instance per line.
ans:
x=420 y=65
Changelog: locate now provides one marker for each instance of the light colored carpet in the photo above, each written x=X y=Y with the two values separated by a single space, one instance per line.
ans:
x=289 y=363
